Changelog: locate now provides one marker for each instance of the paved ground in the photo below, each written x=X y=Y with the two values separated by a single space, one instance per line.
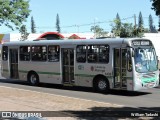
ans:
x=18 y=100
x=12 y=99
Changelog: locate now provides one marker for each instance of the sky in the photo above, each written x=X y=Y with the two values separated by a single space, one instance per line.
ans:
x=77 y=16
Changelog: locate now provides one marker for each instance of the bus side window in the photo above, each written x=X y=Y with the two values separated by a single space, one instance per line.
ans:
x=81 y=53
x=92 y=53
x=39 y=53
x=104 y=54
x=5 y=53
x=98 y=53
x=25 y=53
x=53 y=53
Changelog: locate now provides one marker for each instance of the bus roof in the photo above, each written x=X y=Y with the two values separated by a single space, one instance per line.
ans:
x=73 y=41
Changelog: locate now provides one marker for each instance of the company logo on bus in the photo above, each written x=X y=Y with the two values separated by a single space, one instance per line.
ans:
x=92 y=68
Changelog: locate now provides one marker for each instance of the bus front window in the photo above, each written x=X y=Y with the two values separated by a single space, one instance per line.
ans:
x=145 y=60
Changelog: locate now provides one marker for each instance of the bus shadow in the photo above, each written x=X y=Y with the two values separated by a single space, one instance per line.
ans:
x=77 y=88
x=128 y=93
x=88 y=89
x=158 y=87
x=19 y=82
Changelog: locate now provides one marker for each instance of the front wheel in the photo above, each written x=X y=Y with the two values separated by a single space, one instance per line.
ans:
x=101 y=84
x=33 y=79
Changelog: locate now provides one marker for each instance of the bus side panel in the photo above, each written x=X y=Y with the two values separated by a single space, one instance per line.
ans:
x=83 y=75
x=5 y=72
x=130 y=81
x=48 y=72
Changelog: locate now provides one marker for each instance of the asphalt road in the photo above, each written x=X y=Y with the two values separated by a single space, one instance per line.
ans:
x=148 y=99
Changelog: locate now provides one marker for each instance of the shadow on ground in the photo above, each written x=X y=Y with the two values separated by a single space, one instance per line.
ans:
x=110 y=113
x=76 y=88
x=102 y=113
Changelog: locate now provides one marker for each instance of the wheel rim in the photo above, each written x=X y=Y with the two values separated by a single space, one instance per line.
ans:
x=33 y=79
x=102 y=85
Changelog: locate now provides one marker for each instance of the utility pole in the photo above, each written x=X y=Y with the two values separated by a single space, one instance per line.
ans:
x=94 y=28
x=135 y=21
x=135 y=26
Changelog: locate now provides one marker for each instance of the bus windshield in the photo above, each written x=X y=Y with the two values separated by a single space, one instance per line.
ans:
x=145 y=60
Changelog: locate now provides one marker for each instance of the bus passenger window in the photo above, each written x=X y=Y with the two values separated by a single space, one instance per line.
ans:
x=39 y=53
x=92 y=58
x=81 y=53
x=24 y=53
x=53 y=53
x=98 y=53
x=5 y=53
x=104 y=53
x=93 y=53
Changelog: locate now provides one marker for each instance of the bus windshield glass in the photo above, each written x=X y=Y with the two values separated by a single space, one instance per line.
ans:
x=145 y=60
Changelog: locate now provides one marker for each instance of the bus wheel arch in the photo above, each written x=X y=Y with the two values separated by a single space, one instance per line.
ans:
x=101 y=83
x=33 y=78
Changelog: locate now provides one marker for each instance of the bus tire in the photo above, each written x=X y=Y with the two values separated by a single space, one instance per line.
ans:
x=101 y=84
x=33 y=79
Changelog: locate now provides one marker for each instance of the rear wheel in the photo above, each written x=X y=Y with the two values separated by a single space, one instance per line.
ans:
x=101 y=84
x=33 y=79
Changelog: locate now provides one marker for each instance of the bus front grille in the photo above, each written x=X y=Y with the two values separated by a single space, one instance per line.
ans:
x=149 y=75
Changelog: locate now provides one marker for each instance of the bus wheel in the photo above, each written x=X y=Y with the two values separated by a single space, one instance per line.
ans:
x=101 y=85
x=33 y=78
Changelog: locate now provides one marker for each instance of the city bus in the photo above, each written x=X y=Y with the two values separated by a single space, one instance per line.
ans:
x=114 y=63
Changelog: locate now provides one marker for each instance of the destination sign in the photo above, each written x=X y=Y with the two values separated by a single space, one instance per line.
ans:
x=142 y=43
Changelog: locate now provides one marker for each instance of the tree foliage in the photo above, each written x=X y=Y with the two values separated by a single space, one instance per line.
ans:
x=152 y=28
x=58 y=24
x=98 y=32
x=33 y=26
x=125 y=30
x=116 y=27
x=13 y=13
x=24 y=33
x=150 y=22
x=118 y=22
x=140 y=22
x=156 y=6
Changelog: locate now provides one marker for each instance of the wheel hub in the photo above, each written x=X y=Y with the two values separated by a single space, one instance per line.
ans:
x=102 y=85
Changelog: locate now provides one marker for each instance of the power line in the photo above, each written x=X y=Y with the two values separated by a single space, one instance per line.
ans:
x=85 y=24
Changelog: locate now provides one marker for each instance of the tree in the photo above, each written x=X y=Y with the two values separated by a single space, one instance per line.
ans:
x=99 y=32
x=156 y=6
x=58 y=24
x=118 y=22
x=126 y=30
x=13 y=13
x=33 y=26
x=24 y=33
x=152 y=28
x=140 y=22
x=150 y=22
x=116 y=27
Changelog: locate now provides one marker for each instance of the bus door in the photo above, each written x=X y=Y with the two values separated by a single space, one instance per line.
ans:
x=68 y=65
x=13 y=63
x=120 y=68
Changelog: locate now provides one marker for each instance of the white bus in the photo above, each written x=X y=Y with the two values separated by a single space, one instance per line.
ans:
x=113 y=63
